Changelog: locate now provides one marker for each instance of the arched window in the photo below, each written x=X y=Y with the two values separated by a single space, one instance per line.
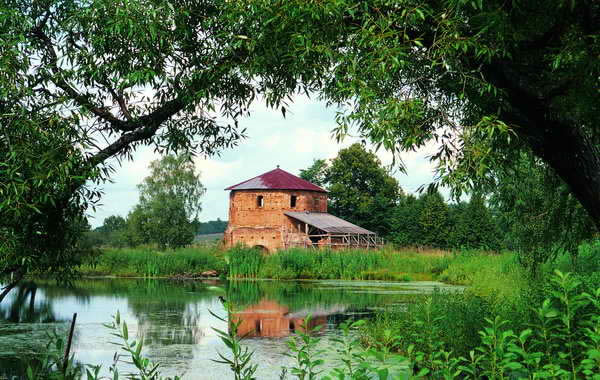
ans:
x=293 y=201
x=260 y=202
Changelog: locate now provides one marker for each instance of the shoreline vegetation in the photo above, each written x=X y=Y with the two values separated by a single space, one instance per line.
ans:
x=387 y=264
x=484 y=271
x=507 y=323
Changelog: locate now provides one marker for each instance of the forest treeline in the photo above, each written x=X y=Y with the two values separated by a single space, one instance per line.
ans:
x=115 y=231
x=524 y=207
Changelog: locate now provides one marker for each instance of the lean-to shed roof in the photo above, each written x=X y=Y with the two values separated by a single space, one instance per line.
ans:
x=276 y=179
x=328 y=223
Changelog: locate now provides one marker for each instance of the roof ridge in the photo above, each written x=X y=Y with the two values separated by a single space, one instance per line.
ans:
x=276 y=179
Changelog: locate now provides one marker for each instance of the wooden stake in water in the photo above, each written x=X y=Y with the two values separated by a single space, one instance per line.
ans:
x=68 y=349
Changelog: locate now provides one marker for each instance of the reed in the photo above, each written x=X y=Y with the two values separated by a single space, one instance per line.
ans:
x=147 y=262
x=385 y=264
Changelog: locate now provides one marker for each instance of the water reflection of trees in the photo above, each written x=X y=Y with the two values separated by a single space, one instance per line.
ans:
x=23 y=340
x=299 y=295
x=21 y=306
x=166 y=312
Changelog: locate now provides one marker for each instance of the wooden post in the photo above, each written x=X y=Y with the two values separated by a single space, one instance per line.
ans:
x=68 y=349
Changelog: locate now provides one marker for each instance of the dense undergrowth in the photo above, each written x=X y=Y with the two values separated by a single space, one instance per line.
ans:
x=559 y=312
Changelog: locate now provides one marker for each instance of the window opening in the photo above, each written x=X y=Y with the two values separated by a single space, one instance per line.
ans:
x=293 y=201
x=260 y=202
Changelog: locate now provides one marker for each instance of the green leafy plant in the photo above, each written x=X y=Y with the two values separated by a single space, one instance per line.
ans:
x=51 y=365
x=304 y=349
x=146 y=369
x=240 y=362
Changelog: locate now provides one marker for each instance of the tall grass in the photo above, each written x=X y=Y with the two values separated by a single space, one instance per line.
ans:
x=244 y=262
x=147 y=262
x=499 y=275
x=385 y=264
x=551 y=332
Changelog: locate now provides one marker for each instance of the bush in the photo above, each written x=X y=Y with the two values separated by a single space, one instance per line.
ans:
x=529 y=337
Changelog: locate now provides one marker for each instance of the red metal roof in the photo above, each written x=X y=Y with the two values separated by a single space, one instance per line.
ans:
x=276 y=179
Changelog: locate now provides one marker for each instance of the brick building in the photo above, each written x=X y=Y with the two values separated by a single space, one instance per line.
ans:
x=278 y=210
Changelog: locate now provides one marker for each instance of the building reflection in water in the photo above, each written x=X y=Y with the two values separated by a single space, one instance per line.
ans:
x=271 y=319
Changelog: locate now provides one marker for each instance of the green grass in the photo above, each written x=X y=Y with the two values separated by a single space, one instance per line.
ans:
x=385 y=264
x=147 y=262
x=497 y=287
x=466 y=268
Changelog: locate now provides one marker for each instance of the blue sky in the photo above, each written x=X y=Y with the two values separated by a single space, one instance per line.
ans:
x=292 y=143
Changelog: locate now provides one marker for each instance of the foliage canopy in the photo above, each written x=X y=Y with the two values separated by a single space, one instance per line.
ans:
x=483 y=79
x=170 y=198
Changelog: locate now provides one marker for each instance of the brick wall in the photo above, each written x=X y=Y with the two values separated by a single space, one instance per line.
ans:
x=255 y=225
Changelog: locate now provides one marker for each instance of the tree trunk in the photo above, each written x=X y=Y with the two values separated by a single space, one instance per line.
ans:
x=561 y=142
x=576 y=160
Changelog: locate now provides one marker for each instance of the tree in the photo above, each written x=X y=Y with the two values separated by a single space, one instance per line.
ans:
x=161 y=220
x=473 y=226
x=41 y=217
x=433 y=221
x=360 y=189
x=539 y=213
x=404 y=225
x=111 y=232
x=113 y=223
x=170 y=198
x=316 y=173
x=137 y=231
x=484 y=79
x=459 y=227
x=82 y=84
x=174 y=177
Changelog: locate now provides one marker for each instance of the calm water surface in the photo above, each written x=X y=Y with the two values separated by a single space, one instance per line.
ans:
x=173 y=318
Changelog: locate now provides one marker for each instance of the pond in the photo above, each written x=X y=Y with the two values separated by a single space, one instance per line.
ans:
x=174 y=320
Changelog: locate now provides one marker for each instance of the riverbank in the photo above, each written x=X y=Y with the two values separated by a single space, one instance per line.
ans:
x=148 y=262
x=498 y=307
x=501 y=312
x=460 y=267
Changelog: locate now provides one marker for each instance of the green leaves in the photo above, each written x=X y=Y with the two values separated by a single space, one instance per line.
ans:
x=241 y=361
x=361 y=190
x=44 y=194
x=170 y=198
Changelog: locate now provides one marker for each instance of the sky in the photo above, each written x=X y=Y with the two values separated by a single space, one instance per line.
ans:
x=292 y=143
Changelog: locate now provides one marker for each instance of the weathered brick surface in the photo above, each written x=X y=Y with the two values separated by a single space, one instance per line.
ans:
x=253 y=225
